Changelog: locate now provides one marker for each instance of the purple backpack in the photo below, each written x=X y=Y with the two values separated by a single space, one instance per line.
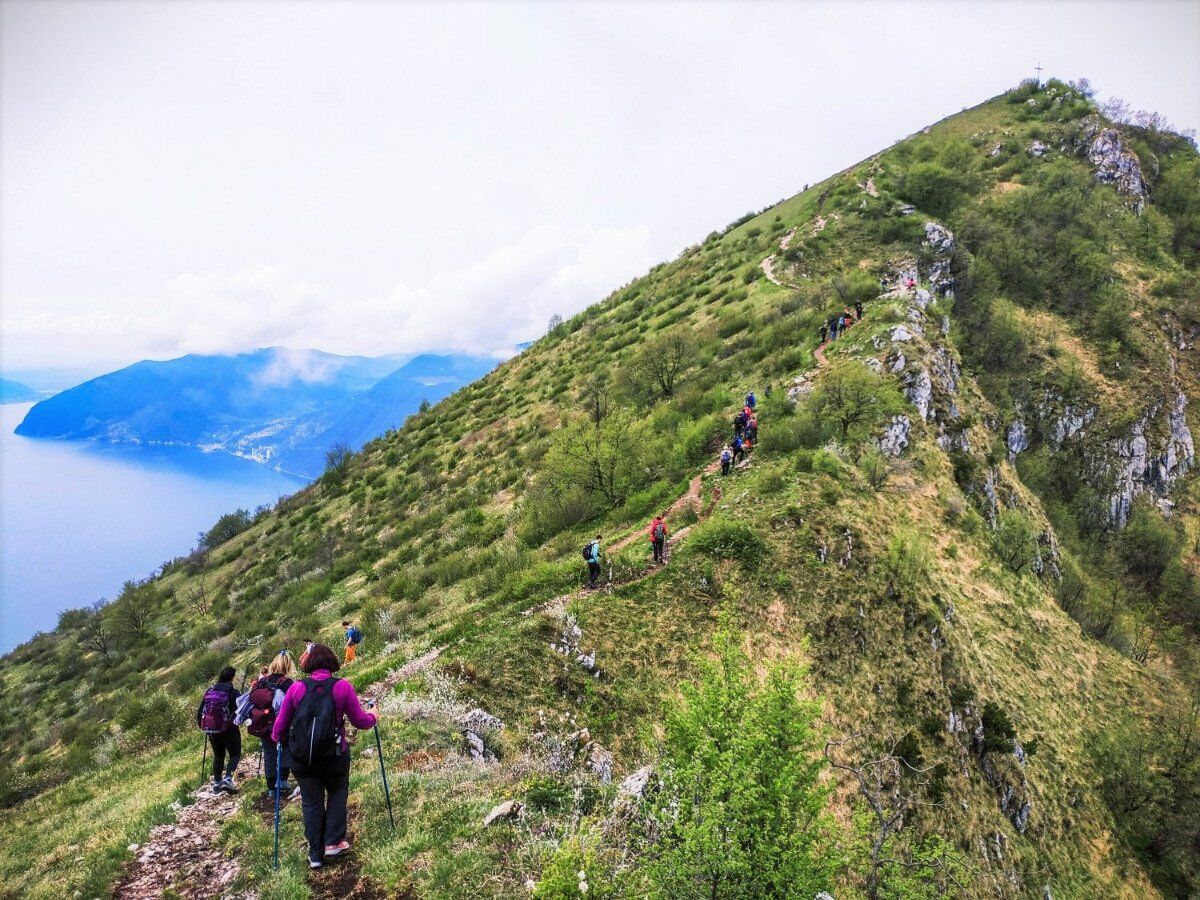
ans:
x=214 y=712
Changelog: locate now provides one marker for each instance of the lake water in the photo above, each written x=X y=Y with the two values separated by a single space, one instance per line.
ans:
x=78 y=519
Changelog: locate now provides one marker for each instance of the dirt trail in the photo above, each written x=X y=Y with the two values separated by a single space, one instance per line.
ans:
x=693 y=497
x=182 y=856
x=413 y=667
x=768 y=264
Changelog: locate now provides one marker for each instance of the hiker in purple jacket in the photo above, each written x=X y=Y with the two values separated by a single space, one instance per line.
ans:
x=322 y=770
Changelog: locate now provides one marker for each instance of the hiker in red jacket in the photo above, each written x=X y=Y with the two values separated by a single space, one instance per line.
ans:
x=658 y=537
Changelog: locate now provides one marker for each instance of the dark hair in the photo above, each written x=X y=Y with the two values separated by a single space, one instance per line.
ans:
x=345 y=621
x=227 y=674
x=321 y=657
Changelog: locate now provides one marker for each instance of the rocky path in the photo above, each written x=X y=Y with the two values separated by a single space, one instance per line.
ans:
x=768 y=264
x=183 y=858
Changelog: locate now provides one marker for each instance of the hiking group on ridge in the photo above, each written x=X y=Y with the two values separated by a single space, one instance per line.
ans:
x=300 y=721
x=745 y=435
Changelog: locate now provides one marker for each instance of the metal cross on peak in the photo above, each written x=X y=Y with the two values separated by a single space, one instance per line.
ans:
x=1038 y=69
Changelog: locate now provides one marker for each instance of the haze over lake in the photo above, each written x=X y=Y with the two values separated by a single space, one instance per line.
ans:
x=77 y=518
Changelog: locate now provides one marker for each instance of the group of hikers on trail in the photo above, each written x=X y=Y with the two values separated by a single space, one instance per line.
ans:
x=300 y=721
x=839 y=322
x=745 y=435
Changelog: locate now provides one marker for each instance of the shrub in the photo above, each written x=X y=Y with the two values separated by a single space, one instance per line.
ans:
x=729 y=539
x=741 y=812
x=998 y=731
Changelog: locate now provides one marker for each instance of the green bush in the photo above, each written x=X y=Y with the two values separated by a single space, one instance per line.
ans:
x=729 y=539
x=742 y=808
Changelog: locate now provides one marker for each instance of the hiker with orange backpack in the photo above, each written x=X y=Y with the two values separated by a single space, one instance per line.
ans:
x=658 y=538
x=266 y=697
x=216 y=718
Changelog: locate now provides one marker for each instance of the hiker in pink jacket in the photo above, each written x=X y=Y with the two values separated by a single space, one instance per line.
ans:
x=312 y=725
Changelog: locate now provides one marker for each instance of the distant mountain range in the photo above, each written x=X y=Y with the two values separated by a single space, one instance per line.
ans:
x=280 y=407
x=16 y=392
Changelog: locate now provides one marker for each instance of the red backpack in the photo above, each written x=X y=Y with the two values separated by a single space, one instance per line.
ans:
x=263 y=705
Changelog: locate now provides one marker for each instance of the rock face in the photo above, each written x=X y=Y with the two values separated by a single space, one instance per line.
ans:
x=1136 y=470
x=896 y=436
x=1016 y=439
x=1117 y=165
x=941 y=242
x=475 y=724
x=919 y=392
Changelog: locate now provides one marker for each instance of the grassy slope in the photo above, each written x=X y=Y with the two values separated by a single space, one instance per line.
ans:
x=428 y=512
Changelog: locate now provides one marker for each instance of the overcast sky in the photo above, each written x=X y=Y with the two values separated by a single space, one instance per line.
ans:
x=391 y=177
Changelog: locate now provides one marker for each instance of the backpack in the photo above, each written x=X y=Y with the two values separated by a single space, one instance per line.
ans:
x=660 y=531
x=312 y=735
x=726 y=456
x=214 y=711
x=354 y=635
x=587 y=552
x=265 y=699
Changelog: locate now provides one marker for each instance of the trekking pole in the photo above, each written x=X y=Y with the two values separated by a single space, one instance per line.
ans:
x=278 y=769
x=203 y=758
x=383 y=771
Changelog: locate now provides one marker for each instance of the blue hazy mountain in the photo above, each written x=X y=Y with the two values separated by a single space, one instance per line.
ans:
x=16 y=392
x=384 y=407
x=280 y=407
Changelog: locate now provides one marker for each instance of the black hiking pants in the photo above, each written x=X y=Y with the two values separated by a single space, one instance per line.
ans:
x=658 y=544
x=593 y=573
x=226 y=744
x=726 y=465
x=323 y=792
x=269 y=752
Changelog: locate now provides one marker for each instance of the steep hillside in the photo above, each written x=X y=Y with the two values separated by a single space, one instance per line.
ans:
x=970 y=519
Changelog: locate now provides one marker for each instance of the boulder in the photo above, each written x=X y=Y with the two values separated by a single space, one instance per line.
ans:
x=636 y=783
x=1038 y=149
x=1016 y=439
x=479 y=721
x=507 y=811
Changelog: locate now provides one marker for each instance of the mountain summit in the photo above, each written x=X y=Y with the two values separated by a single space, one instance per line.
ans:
x=935 y=635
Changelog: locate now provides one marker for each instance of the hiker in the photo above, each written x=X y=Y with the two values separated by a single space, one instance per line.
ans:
x=311 y=723
x=215 y=717
x=591 y=553
x=658 y=537
x=751 y=401
x=739 y=423
x=910 y=284
x=739 y=449
x=353 y=639
x=726 y=462
x=834 y=321
x=266 y=697
x=824 y=332
x=308 y=645
x=882 y=285
x=858 y=309
x=751 y=433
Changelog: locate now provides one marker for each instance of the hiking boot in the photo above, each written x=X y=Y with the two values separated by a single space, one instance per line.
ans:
x=315 y=862
x=337 y=849
x=227 y=786
x=214 y=786
x=295 y=794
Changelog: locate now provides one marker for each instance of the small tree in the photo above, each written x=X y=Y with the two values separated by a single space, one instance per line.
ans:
x=742 y=809
x=555 y=323
x=227 y=527
x=1016 y=539
x=660 y=362
x=337 y=461
x=855 y=399
x=599 y=458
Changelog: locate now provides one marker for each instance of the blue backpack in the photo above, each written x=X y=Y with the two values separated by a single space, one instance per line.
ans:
x=354 y=635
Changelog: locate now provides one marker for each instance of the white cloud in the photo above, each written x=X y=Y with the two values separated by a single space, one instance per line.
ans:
x=486 y=306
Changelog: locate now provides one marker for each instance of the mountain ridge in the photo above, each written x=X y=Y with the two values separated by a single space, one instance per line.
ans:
x=971 y=604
